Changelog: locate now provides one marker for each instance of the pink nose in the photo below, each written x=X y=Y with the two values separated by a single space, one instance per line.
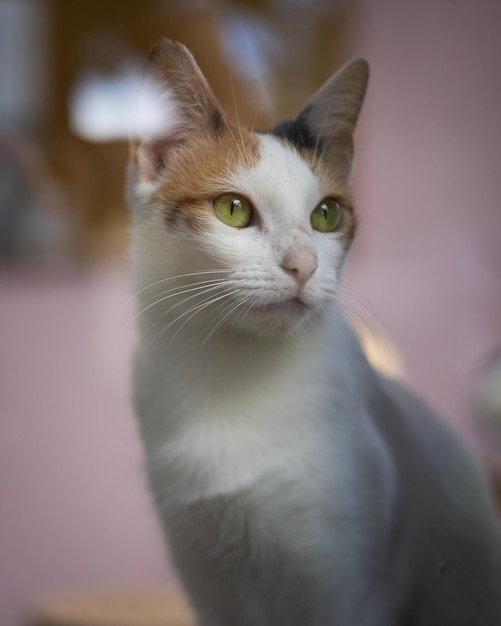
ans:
x=300 y=264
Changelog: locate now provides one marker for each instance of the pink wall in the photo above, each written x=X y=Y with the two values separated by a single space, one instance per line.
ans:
x=429 y=151
x=74 y=507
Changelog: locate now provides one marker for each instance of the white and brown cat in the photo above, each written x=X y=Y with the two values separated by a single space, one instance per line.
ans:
x=297 y=486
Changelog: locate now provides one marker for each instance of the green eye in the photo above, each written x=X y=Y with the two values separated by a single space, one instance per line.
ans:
x=327 y=216
x=233 y=210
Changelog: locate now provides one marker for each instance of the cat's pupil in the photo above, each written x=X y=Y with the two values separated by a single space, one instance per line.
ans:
x=234 y=204
x=324 y=211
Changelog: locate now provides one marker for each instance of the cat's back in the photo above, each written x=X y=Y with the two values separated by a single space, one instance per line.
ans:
x=445 y=523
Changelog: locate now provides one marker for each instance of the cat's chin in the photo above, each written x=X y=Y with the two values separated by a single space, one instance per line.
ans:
x=292 y=307
x=278 y=317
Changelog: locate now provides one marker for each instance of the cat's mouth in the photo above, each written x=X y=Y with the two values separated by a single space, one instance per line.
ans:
x=291 y=307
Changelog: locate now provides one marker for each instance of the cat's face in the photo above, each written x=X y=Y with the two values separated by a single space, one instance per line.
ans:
x=238 y=230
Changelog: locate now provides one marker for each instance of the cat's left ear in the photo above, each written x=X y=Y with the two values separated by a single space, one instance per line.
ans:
x=332 y=113
x=179 y=106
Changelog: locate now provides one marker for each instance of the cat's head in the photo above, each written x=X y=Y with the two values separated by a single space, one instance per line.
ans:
x=239 y=229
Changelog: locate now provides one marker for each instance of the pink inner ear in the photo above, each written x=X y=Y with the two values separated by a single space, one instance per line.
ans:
x=152 y=156
x=176 y=103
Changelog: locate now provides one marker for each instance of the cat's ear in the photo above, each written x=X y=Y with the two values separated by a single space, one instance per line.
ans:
x=332 y=113
x=178 y=97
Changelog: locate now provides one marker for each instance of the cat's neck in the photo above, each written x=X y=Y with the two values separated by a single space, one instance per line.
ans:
x=236 y=350
x=220 y=416
x=232 y=366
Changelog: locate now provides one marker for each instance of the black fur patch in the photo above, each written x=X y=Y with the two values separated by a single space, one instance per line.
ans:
x=297 y=132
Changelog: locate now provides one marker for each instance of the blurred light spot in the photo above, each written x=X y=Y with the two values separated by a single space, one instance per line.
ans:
x=114 y=107
x=248 y=41
x=378 y=347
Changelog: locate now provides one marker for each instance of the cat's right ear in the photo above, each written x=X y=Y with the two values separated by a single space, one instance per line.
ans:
x=330 y=118
x=178 y=104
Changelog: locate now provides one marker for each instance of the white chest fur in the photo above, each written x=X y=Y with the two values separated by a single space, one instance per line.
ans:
x=226 y=419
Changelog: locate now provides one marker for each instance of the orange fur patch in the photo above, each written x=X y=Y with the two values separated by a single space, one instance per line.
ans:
x=199 y=171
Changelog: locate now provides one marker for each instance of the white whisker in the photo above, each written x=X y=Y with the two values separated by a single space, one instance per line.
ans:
x=244 y=149
x=197 y=310
x=182 y=302
x=221 y=321
x=164 y=280
x=172 y=293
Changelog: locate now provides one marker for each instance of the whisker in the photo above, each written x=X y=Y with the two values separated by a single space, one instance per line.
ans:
x=198 y=309
x=365 y=304
x=165 y=328
x=258 y=113
x=228 y=127
x=221 y=321
x=247 y=160
x=185 y=300
x=193 y=310
x=178 y=291
x=340 y=122
x=162 y=280
x=249 y=308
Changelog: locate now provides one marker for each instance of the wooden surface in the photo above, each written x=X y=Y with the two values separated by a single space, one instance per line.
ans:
x=146 y=606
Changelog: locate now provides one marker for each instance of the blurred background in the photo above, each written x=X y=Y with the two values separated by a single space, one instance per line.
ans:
x=425 y=271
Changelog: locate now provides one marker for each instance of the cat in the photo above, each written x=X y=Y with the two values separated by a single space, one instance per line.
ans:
x=297 y=486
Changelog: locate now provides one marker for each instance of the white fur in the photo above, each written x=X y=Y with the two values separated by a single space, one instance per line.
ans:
x=289 y=475
x=284 y=192
x=222 y=454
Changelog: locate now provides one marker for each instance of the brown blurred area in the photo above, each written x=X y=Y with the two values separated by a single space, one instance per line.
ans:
x=77 y=512
x=293 y=52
